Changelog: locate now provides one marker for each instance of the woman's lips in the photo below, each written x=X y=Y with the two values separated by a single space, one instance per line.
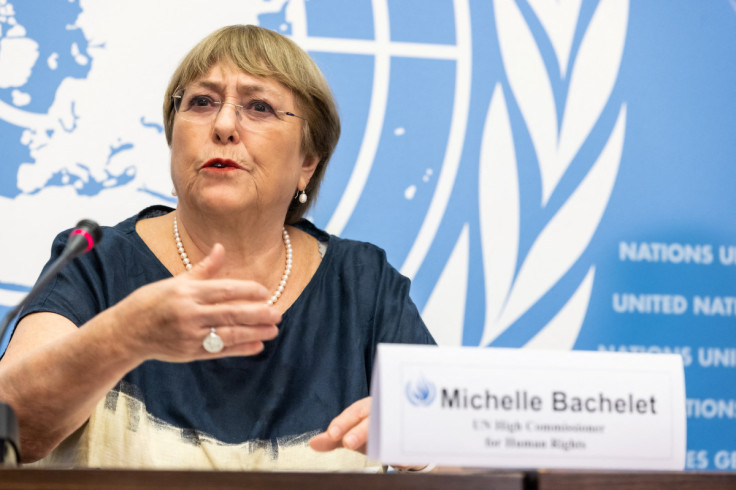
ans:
x=221 y=164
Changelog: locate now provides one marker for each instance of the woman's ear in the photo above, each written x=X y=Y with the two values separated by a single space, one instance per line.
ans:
x=309 y=165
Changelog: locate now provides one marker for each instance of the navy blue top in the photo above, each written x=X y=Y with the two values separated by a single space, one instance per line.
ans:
x=320 y=362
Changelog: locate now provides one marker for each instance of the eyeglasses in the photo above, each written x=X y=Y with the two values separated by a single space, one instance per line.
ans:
x=257 y=115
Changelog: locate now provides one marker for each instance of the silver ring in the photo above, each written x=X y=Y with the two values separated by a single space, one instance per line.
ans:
x=213 y=343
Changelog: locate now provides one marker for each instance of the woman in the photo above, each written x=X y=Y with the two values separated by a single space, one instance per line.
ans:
x=226 y=333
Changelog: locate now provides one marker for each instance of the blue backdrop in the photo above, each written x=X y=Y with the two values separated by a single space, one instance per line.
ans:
x=550 y=174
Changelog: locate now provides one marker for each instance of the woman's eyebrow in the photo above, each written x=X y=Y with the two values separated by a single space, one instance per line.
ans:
x=216 y=86
x=247 y=89
x=243 y=89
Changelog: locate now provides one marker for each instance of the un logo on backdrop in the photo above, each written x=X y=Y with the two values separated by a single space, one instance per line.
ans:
x=444 y=105
x=442 y=194
x=555 y=106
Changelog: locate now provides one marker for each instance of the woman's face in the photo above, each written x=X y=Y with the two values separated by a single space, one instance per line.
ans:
x=245 y=158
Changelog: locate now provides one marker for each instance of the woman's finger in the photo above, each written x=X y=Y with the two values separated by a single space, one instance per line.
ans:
x=244 y=349
x=323 y=442
x=238 y=314
x=349 y=418
x=208 y=267
x=235 y=336
x=214 y=291
x=352 y=422
x=357 y=437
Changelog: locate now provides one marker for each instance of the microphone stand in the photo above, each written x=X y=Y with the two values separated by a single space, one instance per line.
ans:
x=9 y=431
x=9 y=437
x=81 y=240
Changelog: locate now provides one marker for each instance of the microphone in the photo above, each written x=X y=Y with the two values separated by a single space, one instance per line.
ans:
x=9 y=437
x=81 y=240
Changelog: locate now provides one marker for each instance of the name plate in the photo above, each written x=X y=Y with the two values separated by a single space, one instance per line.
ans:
x=509 y=408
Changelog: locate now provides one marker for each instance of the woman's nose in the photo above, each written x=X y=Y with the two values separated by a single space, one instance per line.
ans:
x=226 y=122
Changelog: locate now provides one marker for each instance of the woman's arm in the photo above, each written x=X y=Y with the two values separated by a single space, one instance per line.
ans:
x=53 y=373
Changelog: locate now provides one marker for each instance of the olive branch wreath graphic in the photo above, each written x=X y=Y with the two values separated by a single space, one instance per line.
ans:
x=509 y=294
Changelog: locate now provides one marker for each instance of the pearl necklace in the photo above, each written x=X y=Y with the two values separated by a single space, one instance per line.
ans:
x=284 y=278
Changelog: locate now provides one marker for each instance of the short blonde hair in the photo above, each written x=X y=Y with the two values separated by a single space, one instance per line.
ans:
x=264 y=53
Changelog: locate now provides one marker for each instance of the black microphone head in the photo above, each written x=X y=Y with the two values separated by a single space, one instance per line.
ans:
x=92 y=228
x=83 y=238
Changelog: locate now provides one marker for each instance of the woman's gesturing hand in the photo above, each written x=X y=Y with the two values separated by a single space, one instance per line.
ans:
x=348 y=430
x=169 y=319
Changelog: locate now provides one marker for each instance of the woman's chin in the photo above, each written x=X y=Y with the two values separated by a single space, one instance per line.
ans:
x=223 y=201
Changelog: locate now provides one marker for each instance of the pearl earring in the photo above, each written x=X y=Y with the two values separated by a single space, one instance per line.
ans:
x=301 y=195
